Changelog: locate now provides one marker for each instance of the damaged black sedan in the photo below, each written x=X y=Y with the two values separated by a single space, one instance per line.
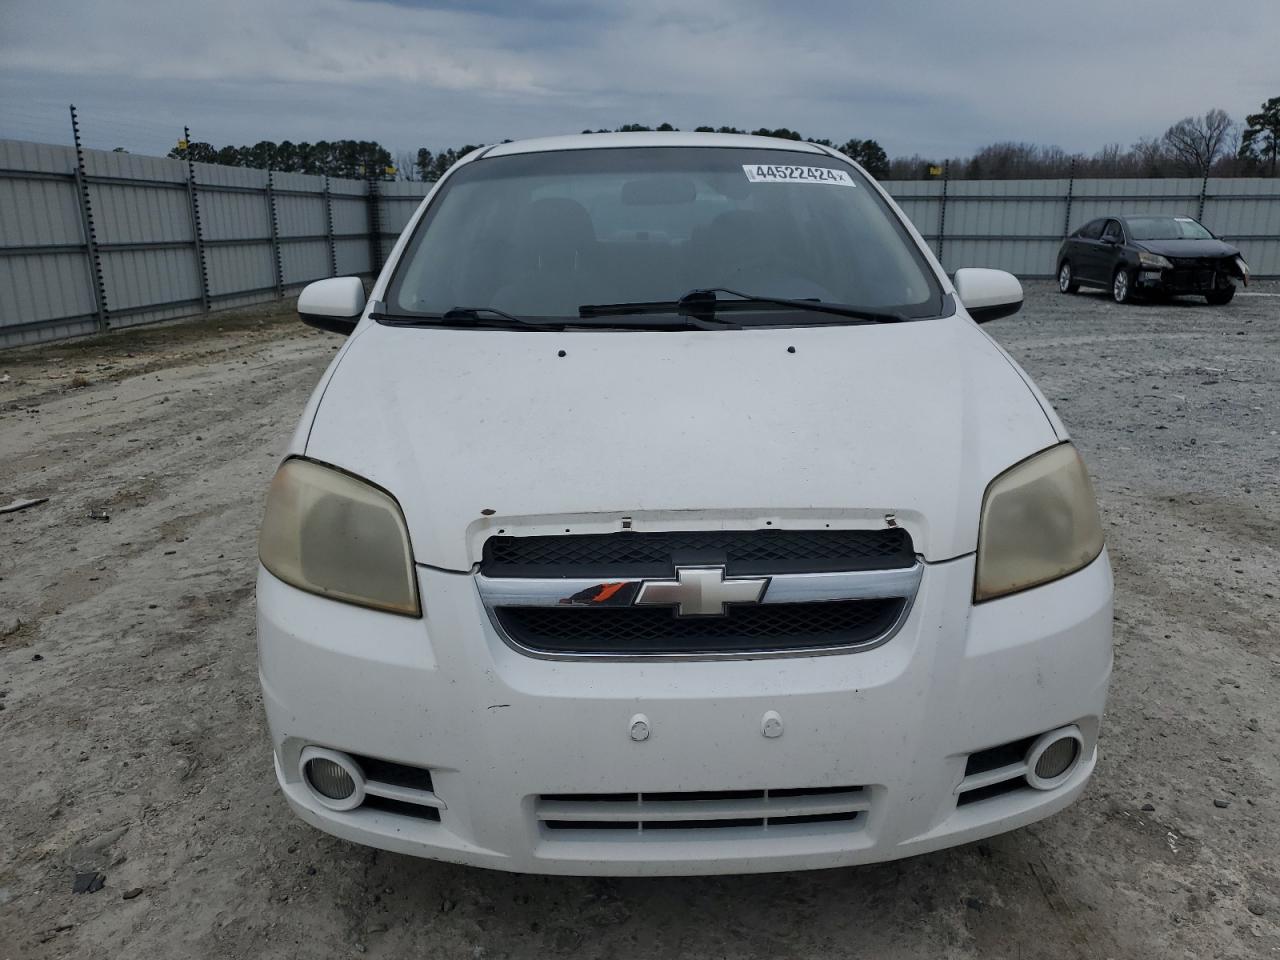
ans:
x=1162 y=256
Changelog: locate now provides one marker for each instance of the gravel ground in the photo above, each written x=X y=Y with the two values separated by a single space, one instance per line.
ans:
x=133 y=745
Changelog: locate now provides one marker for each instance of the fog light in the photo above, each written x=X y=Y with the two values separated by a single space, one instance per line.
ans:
x=1053 y=757
x=335 y=780
x=1057 y=759
x=329 y=779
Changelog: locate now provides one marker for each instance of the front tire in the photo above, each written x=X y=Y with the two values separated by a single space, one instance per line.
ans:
x=1222 y=296
x=1067 y=279
x=1122 y=287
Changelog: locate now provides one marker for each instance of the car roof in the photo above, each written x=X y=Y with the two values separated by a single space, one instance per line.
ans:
x=654 y=138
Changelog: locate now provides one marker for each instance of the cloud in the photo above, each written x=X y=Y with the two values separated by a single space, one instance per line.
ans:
x=931 y=76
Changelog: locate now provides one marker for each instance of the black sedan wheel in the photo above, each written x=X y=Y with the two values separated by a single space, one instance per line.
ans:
x=1122 y=287
x=1066 y=279
x=1220 y=296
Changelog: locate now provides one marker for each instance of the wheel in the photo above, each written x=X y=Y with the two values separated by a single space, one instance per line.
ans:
x=1220 y=296
x=1067 y=279
x=1122 y=287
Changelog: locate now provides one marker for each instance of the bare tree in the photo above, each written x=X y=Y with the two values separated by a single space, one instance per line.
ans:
x=1196 y=142
x=405 y=166
x=1230 y=164
x=1150 y=157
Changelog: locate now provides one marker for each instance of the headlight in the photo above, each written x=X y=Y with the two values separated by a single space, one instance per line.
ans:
x=332 y=534
x=1244 y=268
x=1154 y=261
x=1039 y=523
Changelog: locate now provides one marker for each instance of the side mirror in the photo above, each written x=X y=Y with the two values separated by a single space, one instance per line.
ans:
x=988 y=294
x=334 y=304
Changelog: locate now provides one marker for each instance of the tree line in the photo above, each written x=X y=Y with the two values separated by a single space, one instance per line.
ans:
x=353 y=159
x=1210 y=145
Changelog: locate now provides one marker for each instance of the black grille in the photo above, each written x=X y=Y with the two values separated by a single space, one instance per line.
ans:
x=994 y=758
x=992 y=790
x=626 y=631
x=1198 y=274
x=397 y=774
x=401 y=808
x=743 y=552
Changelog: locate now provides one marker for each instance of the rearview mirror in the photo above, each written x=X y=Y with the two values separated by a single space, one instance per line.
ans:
x=988 y=294
x=334 y=304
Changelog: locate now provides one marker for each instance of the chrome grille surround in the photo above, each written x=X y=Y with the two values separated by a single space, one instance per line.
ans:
x=578 y=596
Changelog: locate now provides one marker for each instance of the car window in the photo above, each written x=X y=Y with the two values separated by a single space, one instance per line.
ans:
x=540 y=234
x=1167 y=228
x=1113 y=231
x=1091 y=230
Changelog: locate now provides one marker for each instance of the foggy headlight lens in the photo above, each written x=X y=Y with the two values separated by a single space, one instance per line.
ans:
x=329 y=533
x=1039 y=522
x=1153 y=261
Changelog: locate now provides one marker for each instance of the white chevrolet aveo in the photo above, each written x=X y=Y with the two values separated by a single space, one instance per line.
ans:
x=667 y=512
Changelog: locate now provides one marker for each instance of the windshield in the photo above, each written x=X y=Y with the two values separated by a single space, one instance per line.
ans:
x=1166 y=228
x=542 y=234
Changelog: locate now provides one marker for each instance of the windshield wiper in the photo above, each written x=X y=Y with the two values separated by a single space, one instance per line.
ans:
x=703 y=304
x=689 y=313
x=471 y=316
x=479 y=313
x=818 y=306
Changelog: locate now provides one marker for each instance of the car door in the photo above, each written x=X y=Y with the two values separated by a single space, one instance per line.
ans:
x=1086 y=251
x=1110 y=251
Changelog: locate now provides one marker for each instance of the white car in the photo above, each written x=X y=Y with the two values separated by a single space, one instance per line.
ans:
x=667 y=512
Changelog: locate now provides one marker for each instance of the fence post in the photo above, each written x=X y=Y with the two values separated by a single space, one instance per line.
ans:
x=328 y=213
x=275 y=236
x=1071 y=186
x=90 y=235
x=197 y=234
x=1204 y=188
x=942 y=209
x=375 y=229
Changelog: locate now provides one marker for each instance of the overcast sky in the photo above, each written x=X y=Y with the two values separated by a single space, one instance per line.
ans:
x=938 y=77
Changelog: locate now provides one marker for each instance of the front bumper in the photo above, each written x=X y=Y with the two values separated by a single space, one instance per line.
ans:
x=1197 y=279
x=498 y=729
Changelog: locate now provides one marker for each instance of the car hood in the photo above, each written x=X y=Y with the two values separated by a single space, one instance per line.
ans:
x=1187 y=248
x=476 y=431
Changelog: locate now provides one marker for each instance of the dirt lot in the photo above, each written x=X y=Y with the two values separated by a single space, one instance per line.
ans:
x=132 y=741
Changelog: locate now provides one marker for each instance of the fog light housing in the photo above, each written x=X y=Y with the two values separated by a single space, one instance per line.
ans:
x=334 y=779
x=1053 y=757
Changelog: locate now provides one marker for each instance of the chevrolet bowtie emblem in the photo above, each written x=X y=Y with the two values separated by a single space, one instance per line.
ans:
x=701 y=591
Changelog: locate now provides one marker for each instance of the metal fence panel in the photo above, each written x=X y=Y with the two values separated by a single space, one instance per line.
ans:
x=259 y=236
x=353 y=255
x=302 y=225
x=303 y=262
x=1247 y=212
x=137 y=279
x=39 y=213
x=139 y=213
x=45 y=291
x=350 y=215
x=301 y=216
